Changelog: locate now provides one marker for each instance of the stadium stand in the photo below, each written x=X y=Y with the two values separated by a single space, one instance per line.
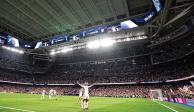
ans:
x=156 y=55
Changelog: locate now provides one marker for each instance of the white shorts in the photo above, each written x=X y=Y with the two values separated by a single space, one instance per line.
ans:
x=86 y=97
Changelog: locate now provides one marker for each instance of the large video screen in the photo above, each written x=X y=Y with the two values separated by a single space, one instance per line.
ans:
x=128 y=24
x=147 y=17
x=38 y=45
x=157 y=5
x=58 y=40
x=12 y=41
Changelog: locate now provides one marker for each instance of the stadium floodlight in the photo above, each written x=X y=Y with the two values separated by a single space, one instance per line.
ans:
x=107 y=42
x=52 y=53
x=21 y=52
x=13 y=49
x=93 y=45
x=128 y=39
x=17 y=50
x=66 y=50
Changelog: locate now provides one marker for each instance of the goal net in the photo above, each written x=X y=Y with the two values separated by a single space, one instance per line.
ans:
x=156 y=94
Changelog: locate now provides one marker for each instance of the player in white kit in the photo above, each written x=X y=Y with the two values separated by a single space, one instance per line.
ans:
x=55 y=94
x=85 y=95
x=43 y=94
x=51 y=94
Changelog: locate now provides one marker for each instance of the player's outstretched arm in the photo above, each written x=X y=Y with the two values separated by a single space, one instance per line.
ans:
x=91 y=85
x=79 y=84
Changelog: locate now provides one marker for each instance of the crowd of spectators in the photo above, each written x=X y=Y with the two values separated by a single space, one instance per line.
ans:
x=129 y=91
x=15 y=76
x=115 y=72
x=104 y=72
x=14 y=61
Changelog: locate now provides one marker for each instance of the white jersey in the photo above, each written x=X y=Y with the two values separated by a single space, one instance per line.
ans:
x=54 y=92
x=51 y=92
x=86 y=90
x=43 y=92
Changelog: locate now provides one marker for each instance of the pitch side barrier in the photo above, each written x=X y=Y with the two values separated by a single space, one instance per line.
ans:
x=181 y=79
x=126 y=83
x=183 y=101
x=19 y=83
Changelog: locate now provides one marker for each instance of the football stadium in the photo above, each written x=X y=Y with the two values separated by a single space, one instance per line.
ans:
x=96 y=55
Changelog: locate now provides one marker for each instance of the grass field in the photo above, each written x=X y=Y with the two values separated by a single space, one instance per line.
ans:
x=33 y=103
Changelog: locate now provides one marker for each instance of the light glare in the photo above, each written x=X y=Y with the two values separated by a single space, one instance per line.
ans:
x=13 y=49
x=52 y=53
x=107 y=42
x=67 y=50
x=94 y=44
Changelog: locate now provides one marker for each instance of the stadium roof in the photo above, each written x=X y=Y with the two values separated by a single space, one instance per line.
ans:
x=35 y=20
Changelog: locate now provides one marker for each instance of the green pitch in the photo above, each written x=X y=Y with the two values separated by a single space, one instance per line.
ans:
x=33 y=103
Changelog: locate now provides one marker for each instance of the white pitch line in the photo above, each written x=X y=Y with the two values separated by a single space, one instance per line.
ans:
x=165 y=106
x=11 y=108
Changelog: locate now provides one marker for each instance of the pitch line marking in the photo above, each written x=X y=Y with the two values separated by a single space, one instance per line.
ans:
x=165 y=106
x=11 y=108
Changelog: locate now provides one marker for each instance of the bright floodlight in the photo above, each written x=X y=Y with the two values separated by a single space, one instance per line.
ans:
x=94 y=44
x=66 y=50
x=13 y=49
x=52 y=53
x=21 y=52
x=107 y=42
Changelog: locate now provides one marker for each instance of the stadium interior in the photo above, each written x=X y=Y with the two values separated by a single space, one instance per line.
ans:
x=126 y=49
